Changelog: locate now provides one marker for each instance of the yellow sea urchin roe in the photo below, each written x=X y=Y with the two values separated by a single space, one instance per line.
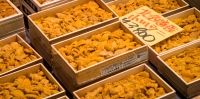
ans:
x=83 y=53
x=31 y=86
x=160 y=6
x=138 y=86
x=186 y=64
x=6 y=9
x=191 y=31
x=72 y=19
x=13 y=55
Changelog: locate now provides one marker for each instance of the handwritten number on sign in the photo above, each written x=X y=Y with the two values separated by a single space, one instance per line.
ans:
x=126 y=20
x=142 y=32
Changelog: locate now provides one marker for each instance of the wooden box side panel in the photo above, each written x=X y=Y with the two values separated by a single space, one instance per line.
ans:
x=59 y=61
x=65 y=79
x=153 y=56
x=81 y=92
x=16 y=2
x=36 y=33
x=20 y=32
x=12 y=24
x=44 y=52
x=40 y=41
x=188 y=89
x=63 y=97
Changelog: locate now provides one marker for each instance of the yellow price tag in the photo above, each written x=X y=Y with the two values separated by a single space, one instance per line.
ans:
x=149 y=26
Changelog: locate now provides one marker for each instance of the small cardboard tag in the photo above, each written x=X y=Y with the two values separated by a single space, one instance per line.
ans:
x=149 y=26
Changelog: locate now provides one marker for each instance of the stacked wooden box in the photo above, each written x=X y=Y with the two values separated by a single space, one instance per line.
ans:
x=12 y=24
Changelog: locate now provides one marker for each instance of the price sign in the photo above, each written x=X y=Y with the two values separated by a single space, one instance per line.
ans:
x=149 y=26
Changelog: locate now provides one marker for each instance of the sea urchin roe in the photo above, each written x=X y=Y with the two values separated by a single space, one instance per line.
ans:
x=191 y=32
x=14 y=55
x=6 y=9
x=72 y=19
x=186 y=64
x=138 y=86
x=86 y=52
x=31 y=86
x=160 y=6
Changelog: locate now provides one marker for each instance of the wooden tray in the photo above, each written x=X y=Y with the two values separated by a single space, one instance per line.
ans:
x=36 y=34
x=63 y=97
x=13 y=22
x=152 y=53
x=182 y=3
x=99 y=70
x=143 y=67
x=16 y=2
x=36 y=6
x=187 y=89
x=17 y=38
x=21 y=32
x=32 y=69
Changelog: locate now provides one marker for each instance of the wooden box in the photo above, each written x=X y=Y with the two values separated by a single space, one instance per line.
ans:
x=196 y=97
x=26 y=9
x=16 y=2
x=187 y=89
x=36 y=6
x=32 y=69
x=13 y=22
x=17 y=38
x=45 y=43
x=104 y=68
x=21 y=32
x=170 y=93
x=152 y=53
x=63 y=97
x=182 y=3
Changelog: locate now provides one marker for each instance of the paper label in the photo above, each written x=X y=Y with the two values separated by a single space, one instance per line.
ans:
x=119 y=65
x=149 y=26
x=31 y=5
x=142 y=56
